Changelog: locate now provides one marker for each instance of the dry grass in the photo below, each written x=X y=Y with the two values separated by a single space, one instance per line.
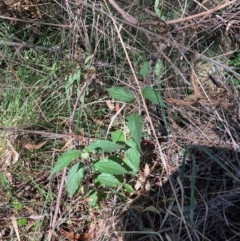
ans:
x=191 y=174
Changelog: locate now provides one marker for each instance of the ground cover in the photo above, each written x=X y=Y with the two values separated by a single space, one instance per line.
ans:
x=119 y=120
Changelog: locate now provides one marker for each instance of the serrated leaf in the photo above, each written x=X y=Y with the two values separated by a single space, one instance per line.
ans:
x=121 y=94
x=144 y=71
x=118 y=136
x=108 y=180
x=128 y=188
x=109 y=166
x=132 y=156
x=154 y=96
x=103 y=146
x=65 y=159
x=74 y=177
x=135 y=126
x=159 y=68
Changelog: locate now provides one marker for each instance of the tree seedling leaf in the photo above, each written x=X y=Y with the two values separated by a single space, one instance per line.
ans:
x=64 y=160
x=128 y=188
x=74 y=177
x=108 y=180
x=93 y=198
x=135 y=126
x=118 y=136
x=109 y=166
x=144 y=71
x=132 y=158
x=121 y=94
x=103 y=146
x=153 y=95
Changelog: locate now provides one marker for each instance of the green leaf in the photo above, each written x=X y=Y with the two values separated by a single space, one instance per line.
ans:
x=135 y=126
x=156 y=8
x=17 y=205
x=74 y=177
x=22 y=222
x=85 y=155
x=108 y=180
x=132 y=158
x=87 y=63
x=102 y=146
x=3 y=180
x=154 y=96
x=64 y=160
x=118 y=136
x=121 y=94
x=109 y=166
x=37 y=226
x=144 y=71
x=159 y=68
x=77 y=75
x=93 y=198
x=128 y=188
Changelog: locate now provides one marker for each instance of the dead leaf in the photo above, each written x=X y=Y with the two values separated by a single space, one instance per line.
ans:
x=32 y=147
x=67 y=146
x=99 y=122
x=9 y=177
x=152 y=168
x=190 y=99
x=193 y=97
x=10 y=154
x=85 y=187
x=142 y=177
x=118 y=108
x=15 y=226
x=76 y=237
x=110 y=105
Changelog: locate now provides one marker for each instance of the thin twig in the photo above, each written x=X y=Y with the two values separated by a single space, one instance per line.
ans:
x=129 y=18
x=46 y=134
x=35 y=22
x=58 y=202
x=26 y=45
x=208 y=12
x=113 y=119
x=154 y=37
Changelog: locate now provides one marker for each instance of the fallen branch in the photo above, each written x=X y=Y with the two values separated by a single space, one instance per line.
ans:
x=129 y=18
x=26 y=45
